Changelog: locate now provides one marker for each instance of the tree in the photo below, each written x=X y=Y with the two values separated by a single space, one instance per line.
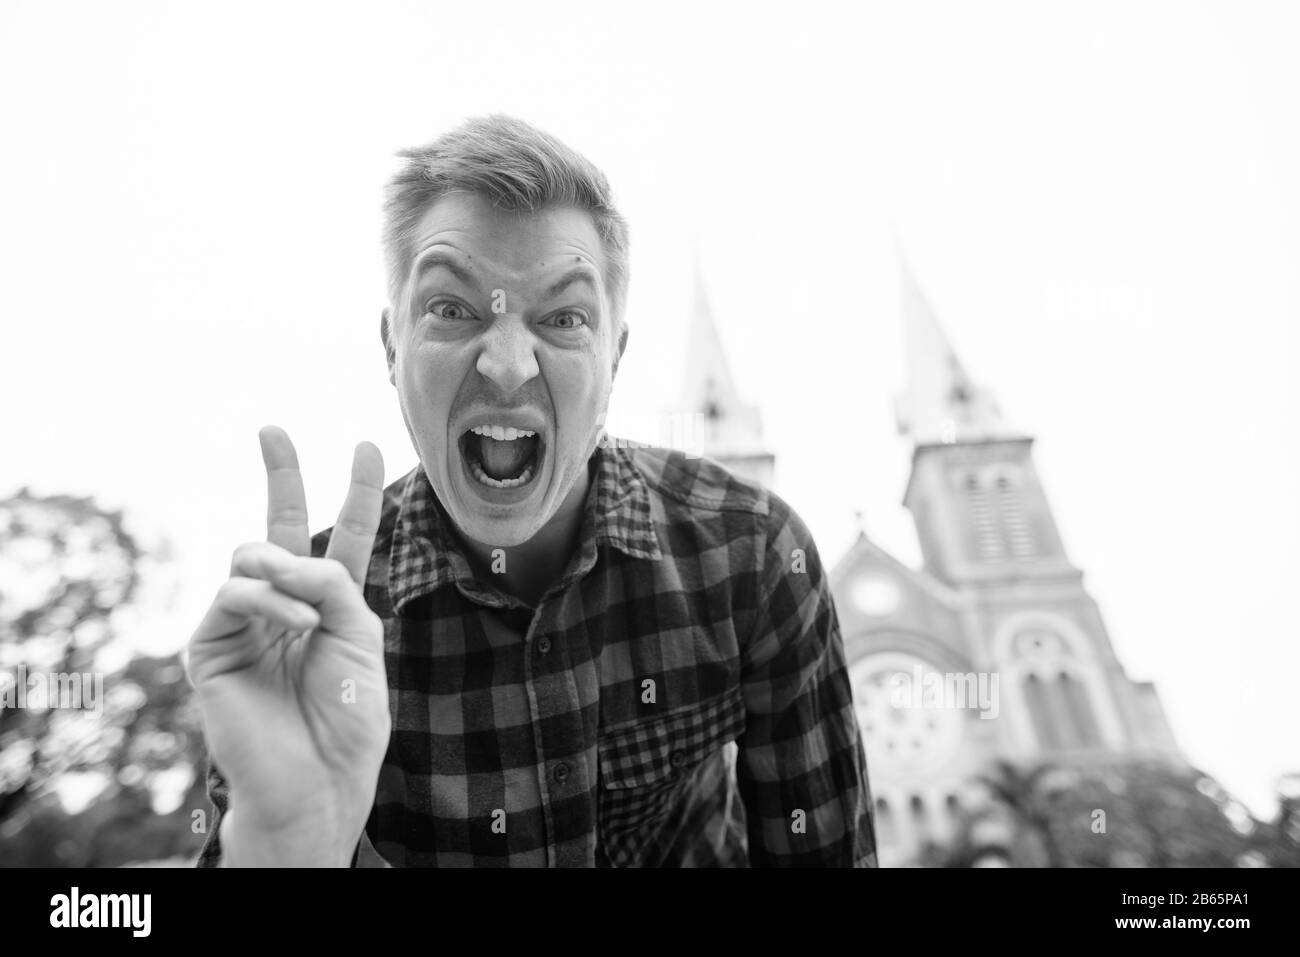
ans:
x=129 y=764
x=1278 y=841
x=1125 y=812
x=1030 y=795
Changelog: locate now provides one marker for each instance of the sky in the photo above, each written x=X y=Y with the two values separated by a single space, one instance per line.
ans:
x=1101 y=201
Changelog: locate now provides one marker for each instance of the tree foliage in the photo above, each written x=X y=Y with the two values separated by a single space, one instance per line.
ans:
x=77 y=787
x=1121 y=813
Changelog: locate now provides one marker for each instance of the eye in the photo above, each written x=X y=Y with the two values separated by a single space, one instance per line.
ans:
x=447 y=309
x=568 y=319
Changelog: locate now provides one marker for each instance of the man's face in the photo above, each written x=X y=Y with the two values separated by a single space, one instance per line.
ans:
x=502 y=349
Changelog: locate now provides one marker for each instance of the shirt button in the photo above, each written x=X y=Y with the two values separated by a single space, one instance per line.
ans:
x=543 y=645
x=677 y=759
x=561 y=773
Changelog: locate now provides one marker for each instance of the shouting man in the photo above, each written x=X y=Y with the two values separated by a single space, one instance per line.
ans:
x=538 y=647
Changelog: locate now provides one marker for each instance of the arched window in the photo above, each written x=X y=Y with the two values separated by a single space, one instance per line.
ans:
x=1053 y=676
x=1059 y=705
x=1061 y=713
x=920 y=820
x=952 y=809
x=1082 y=722
x=1047 y=727
x=885 y=822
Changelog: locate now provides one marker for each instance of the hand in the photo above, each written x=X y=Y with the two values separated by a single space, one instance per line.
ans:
x=288 y=668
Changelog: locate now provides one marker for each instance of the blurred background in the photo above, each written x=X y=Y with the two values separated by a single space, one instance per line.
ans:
x=1001 y=297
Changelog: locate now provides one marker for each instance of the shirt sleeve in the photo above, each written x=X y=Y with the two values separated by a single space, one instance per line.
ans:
x=801 y=768
x=219 y=795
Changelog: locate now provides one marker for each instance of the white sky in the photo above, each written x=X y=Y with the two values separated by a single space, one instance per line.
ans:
x=1101 y=201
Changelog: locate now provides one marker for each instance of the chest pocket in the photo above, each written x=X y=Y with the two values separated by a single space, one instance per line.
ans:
x=662 y=775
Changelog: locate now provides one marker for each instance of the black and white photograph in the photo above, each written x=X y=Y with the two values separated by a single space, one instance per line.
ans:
x=723 y=435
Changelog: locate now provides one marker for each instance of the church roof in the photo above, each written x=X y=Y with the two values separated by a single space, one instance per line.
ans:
x=864 y=551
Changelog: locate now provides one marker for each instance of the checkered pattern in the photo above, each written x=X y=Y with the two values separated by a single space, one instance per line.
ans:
x=678 y=698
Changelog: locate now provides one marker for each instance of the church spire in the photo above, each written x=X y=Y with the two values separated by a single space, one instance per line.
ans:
x=941 y=403
x=730 y=429
x=709 y=386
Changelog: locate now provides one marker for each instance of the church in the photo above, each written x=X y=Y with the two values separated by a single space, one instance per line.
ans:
x=993 y=649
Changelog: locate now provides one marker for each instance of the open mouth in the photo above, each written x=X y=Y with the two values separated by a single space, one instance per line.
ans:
x=501 y=457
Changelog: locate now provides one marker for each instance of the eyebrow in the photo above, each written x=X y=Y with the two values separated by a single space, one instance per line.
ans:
x=577 y=274
x=439 y=260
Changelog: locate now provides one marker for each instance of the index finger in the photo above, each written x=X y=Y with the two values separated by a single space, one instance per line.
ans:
x=353 y=537
x=286 y=502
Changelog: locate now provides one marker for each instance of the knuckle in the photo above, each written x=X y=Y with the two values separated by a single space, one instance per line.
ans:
x=230 y=590
x=338 y=572
x=243 y=553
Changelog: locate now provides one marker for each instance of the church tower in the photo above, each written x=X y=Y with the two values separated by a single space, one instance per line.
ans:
x=980 y=511
x=728 y=429
x=987 y=530
x=998 y=617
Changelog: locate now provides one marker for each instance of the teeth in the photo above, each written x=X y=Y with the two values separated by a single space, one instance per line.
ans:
x=500 y=483
x=502 y=433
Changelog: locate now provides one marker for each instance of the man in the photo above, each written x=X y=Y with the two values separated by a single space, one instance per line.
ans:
x=561 y=652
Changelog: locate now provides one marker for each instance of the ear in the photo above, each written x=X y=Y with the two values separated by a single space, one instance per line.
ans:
x=622 y=344
x=386 y=336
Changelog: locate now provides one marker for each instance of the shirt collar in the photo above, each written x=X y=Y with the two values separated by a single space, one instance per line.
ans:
x=426 y=556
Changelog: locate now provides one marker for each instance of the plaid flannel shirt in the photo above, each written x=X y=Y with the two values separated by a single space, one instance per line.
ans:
x=678 y=698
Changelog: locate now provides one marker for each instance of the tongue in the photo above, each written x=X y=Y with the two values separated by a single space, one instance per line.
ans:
x=505 y=460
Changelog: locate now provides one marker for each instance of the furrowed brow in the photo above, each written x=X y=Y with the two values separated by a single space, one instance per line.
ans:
x=437 y=260
x=577 y=274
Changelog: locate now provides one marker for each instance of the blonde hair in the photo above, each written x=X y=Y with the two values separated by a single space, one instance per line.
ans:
x=517 y=167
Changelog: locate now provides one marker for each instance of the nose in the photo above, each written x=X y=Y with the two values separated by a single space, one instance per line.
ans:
x=507 y=359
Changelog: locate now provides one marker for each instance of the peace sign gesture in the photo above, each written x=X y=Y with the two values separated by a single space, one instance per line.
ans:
x=289 y=672
x=286 y=513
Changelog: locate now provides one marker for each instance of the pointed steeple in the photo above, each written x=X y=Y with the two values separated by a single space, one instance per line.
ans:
x=709 y=386
x=730 y=429
x=941 y=403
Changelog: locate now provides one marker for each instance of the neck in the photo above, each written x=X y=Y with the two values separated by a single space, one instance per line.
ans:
x=530 y=568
